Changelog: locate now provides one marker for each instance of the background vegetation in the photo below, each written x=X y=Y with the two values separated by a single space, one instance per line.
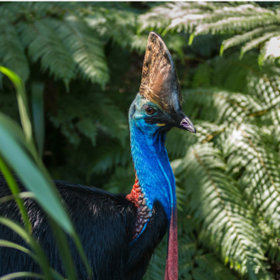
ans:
x=81 y=63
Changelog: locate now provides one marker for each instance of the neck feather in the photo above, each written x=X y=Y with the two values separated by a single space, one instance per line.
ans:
x=153 y=170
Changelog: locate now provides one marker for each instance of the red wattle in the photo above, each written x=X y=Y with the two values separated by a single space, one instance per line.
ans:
x=135 y=192
x=171 y=269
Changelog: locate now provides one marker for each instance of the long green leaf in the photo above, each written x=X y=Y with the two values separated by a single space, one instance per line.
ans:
x=31 y=176
x=41 y=184
x=8 y=244
x=21 y=275
x=38 y=115
x=20 y=195
x=22 y=102
x=31 y=242
x=15 y=191
x=65 y=251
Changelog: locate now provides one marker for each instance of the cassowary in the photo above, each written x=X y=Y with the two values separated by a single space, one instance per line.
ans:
x=119 y=232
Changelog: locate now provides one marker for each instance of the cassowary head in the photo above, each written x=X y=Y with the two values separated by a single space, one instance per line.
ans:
x=158 y=103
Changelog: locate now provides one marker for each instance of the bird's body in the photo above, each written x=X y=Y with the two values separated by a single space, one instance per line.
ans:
x=119 y=232
x=100 y=218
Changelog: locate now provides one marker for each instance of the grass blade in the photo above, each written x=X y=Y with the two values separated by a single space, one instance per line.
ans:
x=15 y=191
x=22 y=103
x=64 y=251
x=31 y=242
x=32 y=177
x=21 y=275
x=38 y=115
x=8 y=244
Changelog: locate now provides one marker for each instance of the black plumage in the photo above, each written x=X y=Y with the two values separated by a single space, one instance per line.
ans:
x=93 y=211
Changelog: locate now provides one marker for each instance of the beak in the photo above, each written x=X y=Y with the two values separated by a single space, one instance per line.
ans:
x=180 y=120
x=187 y=124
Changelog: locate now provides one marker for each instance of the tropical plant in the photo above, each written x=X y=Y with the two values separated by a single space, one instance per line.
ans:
x=254 y=25
x=19 y=145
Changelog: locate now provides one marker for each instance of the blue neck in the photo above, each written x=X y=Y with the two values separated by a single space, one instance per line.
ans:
x=152 y=166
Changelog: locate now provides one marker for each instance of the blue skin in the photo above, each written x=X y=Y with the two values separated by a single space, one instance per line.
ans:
x=150 y=157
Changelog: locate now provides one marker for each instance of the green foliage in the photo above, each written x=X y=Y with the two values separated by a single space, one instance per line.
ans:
x=64 y=37
x=227 y=175
x=19 y=145
x=252 y=23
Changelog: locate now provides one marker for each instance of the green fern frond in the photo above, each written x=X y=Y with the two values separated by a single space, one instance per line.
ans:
x=213 y=268
x=256 y=42
x=11 y=51
x=118 y=25
x=79 y=114
x=109 y=156
x=222 y=106
x=206 y=131
x=178 y=142
x=270 y=51
x=214 y=18
x=85 y=48
x=216 y=201
x=157 y=19
x=237 y=24
x=122 y=180
x=44 y=44
x=139 y=43
x=87 y=127
x=239 y=39
x=246 y=148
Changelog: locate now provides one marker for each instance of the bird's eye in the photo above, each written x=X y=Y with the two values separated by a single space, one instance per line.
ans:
x=150 y=110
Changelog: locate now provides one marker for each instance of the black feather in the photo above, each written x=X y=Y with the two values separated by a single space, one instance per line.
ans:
x=104 y=223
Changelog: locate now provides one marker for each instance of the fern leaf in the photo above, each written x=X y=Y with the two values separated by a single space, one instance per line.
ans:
x=85 y=48
x=122 y=180
x=11 y=51
x=254 y=43
x=107 y=157
x=115 y=24
x=260 y=181
x=217 y=202
x=139 y=43
x=222 y=106
x=271 y=50
x=239 y=39
x=44 y=44
x=236 y=24
x=79 y=114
